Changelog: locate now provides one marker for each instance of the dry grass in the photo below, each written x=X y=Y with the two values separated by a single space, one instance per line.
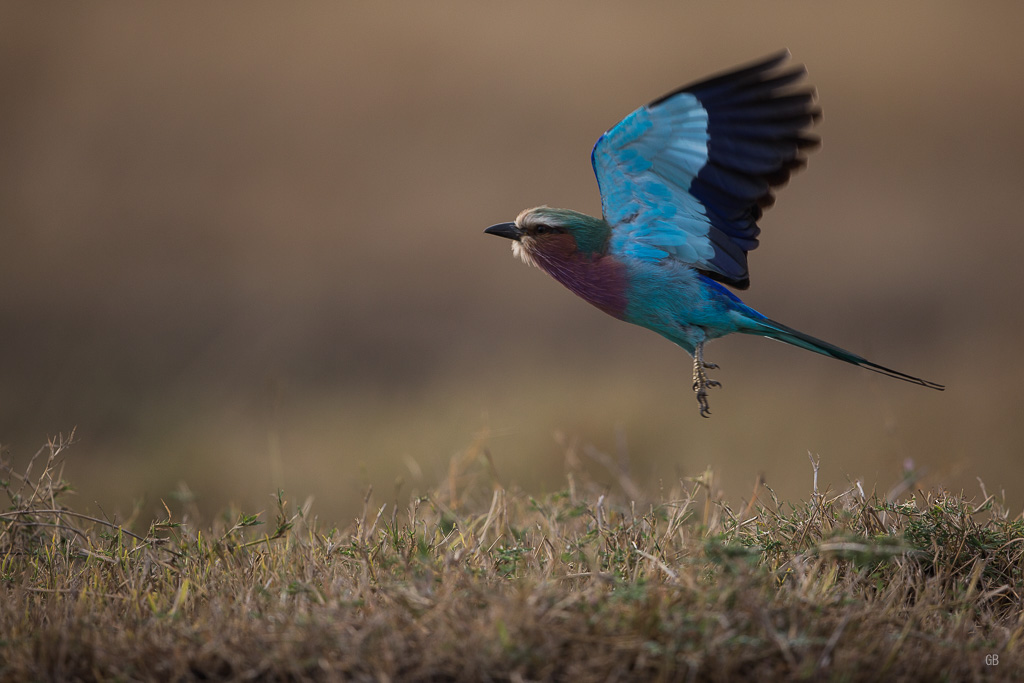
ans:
x=479 y=582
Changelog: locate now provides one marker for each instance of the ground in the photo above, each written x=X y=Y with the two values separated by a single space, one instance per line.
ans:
x=477 y=581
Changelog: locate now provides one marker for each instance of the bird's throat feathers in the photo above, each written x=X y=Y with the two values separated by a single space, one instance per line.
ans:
x=598 y=278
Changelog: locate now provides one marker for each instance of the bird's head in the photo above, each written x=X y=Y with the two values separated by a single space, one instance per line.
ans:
x=558 y=233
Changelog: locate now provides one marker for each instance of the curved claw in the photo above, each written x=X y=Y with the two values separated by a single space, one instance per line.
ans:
x=702 y=401
x=701 y=383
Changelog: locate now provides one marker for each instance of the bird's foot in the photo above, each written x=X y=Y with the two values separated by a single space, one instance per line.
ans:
x=701 y=383
x=701 y=387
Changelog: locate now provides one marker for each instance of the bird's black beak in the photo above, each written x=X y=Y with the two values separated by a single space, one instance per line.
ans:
x=507 y=230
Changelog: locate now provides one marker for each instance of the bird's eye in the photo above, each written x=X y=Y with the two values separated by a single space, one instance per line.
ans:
x=542 y=229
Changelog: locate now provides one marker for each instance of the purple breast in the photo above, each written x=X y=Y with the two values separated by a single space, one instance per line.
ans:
x=601 y=281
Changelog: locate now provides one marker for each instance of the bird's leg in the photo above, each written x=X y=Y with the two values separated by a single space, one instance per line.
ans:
x=701 y=383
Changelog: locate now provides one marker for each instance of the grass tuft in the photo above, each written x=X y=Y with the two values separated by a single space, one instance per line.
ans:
x=478 y=581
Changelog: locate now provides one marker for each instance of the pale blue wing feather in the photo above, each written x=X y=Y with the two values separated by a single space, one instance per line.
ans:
x=687 y=176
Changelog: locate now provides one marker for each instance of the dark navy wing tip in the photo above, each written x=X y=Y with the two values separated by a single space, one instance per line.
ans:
x=761 y=71
x=809 y=142
x=737 y=73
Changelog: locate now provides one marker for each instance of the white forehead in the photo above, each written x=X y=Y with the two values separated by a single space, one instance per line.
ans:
x=539 y=215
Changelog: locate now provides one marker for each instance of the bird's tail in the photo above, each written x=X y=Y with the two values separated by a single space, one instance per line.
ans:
x=774 y=330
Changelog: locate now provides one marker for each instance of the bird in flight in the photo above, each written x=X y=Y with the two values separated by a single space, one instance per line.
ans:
x=683 y=181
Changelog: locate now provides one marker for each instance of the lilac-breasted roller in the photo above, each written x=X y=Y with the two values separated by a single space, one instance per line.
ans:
x=683 y=182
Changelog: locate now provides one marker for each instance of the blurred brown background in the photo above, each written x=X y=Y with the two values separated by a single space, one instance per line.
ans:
x=241 y=247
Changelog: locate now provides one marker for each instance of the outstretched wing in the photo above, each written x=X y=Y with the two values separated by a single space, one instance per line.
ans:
x=687 y=176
